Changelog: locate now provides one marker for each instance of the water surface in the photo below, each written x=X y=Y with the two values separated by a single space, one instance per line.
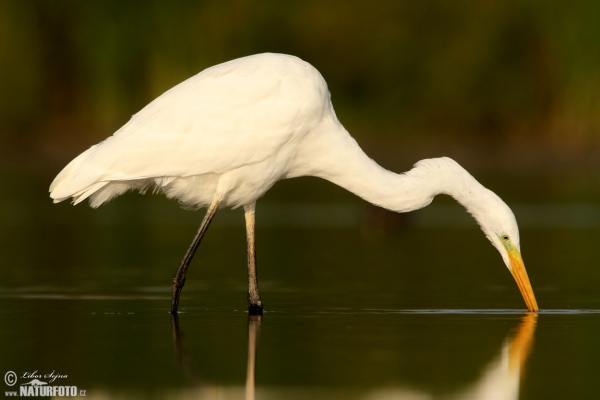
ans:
x=358 y=307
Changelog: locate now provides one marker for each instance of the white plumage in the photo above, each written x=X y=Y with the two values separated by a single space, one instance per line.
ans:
x=226 y=135
x=229 y=122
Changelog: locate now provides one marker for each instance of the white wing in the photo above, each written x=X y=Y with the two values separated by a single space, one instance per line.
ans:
x=227 y=116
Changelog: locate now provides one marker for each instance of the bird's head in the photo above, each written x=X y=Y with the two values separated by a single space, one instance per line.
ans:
x=500 y=226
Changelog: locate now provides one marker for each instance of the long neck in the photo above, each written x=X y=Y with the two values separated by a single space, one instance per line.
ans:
x=332 y=154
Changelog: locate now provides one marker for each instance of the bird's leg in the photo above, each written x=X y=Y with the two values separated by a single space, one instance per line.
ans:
x=255 y=306
x=179 y=278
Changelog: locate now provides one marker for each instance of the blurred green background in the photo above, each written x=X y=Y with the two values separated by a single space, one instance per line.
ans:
x=509 y=89
x=503 y=87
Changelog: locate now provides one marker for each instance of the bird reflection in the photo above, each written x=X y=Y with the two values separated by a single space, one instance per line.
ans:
x=500 y=379
x=254 y=322
x=181 y=354
x=183 y=358
x=522 y=342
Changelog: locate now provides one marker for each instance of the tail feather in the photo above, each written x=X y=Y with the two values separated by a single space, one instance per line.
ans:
x=87 y=192
x=110 y=191
x=81 y=178
x=98 y=174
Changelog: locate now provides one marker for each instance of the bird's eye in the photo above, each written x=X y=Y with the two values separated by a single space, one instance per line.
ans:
x=505 y=237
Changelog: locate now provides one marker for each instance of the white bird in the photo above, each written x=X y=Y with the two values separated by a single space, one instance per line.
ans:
x=223 y=137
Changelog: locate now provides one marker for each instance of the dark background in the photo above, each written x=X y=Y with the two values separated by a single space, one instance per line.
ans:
x=503 y=87
x=509 y=89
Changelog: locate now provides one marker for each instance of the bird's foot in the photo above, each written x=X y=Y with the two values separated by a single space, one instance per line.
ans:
x=255 y=309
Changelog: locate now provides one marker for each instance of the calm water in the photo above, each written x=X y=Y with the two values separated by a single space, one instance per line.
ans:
x=359 y=306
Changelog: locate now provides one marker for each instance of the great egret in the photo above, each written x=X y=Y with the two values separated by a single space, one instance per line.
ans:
x=223 y=137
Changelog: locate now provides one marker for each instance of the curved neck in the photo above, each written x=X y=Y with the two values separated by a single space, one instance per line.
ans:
x=332 y=154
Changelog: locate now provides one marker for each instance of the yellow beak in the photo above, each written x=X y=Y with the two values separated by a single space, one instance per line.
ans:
x=518 y=271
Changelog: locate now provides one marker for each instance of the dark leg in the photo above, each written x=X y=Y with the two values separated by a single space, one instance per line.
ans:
x=179 y=278
x=255 y=306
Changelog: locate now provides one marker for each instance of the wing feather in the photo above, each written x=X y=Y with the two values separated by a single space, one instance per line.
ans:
x=230 y=115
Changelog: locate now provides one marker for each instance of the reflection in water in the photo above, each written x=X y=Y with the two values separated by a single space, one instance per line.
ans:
x=183 y=358
x=521 y=344
x=501 y=379
x=181 y=353
x=253 y=333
